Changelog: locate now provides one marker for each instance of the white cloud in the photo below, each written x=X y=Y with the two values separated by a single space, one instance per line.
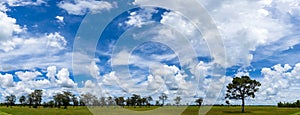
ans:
x=94 y=70
x=30 y=81
x=3 y=8
x=81 y=7
x=56 y=40
x=140 y=18
x=278 y=84
x=63 y=79
x=23 y=2
x=6 y=80
x=9 y=28
x=51 y=71
x=89 y=84
x=26 y=76
x=60 y=19
x=256 y=23
x=42 y=50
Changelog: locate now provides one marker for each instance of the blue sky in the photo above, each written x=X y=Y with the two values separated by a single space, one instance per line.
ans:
x=150 y=50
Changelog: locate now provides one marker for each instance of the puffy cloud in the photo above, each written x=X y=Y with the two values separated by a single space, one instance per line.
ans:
x=3 y=7
x=60 y=19
x=278 y=84
x=94 y=70
x=63 y=78
x=43 y=51
x=81 y=7
x=23 y=2
x=89 y=84
x=6 y=80
x=140 y=18
x=30 y=80
x=51 y=72
x=255 y=24
x=26 y=76
x=56 y=40
x=9 y=28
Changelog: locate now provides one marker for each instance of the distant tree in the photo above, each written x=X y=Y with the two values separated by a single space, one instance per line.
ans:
x=157 y=103
x=144 y=101
x=135 y=99
x=110 y=101
x=199 y=101
x=163 y=97
x=149 y=99
x=74 y=100
x=280 y=104
x=128 y=101
x=242 y=87
x=81 y=102
x=51 y=103
x=10 y=100
x=29 y=100
x=58 y=100
x=227 y=102
x=120 y=101
x=177 y=100
x=66 y=98
x=289 y=104
x=37 y=97
x=22 y=100
x=102 y=101
x=88 y=98
x=95 y=102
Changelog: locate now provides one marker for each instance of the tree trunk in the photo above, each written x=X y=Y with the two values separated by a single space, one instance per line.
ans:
x=243 y=105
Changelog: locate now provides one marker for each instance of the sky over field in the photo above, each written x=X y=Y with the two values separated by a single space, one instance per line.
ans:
x=150 y=47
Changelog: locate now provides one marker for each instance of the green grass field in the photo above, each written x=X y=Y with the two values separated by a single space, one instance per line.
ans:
x=192 y=110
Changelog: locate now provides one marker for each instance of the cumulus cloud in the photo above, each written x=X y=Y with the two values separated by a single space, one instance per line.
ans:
x=51 y=72
x=141 y=17
x=31 y=80
x=81 y=7
x=39 y=49
x=255 y=24
x=63 y=78
x=26 y=76
x=94 y=70
x=6 y=80
x=60 y=19
x=9 y=28
x=56 y=40
x=279 y=83
x=3 y=7
x=23 y=2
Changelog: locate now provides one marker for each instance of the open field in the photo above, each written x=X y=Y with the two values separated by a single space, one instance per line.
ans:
x=192 y=110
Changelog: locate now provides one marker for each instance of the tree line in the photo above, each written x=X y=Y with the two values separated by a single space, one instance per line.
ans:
x=287 y=104
x=239 y=89
x=66 y=98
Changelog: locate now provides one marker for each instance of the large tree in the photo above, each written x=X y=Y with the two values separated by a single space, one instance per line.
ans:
x=242 y=87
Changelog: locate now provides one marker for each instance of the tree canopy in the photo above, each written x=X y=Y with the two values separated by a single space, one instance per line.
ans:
x=242 y=87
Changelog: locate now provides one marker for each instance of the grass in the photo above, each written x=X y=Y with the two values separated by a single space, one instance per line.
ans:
x=253 y=110
x=191 y=110
x=44 y=111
